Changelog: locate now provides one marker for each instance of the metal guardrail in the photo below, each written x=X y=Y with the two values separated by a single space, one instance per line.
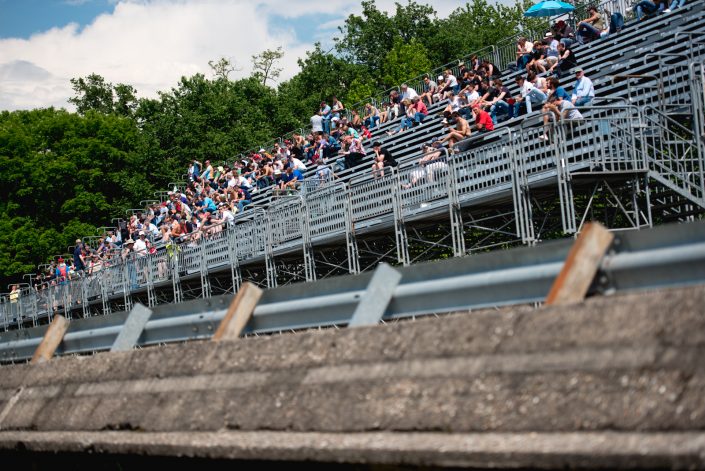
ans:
x=662 y=257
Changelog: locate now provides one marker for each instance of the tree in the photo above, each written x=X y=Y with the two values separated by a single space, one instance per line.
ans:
x=223 y=68
x=93 y=93
x=404 y=61
x=264 y=65
x=366 y=39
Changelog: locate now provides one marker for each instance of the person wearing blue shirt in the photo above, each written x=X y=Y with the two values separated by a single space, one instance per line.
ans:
x=209 y=205
x=584 y=91
x=290 y=179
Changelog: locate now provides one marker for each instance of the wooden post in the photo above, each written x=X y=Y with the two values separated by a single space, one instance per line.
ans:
x=581 y=265
x=239 y=313
x=52 y=338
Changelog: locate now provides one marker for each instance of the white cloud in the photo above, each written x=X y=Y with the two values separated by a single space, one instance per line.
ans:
x=150 y=44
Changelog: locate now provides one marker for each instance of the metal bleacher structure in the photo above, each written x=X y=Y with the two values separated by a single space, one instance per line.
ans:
x=635 y=160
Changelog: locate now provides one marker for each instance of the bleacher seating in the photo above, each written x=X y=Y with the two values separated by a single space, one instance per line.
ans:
x=642 y=80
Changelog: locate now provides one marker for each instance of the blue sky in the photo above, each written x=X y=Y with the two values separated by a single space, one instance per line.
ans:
x=22 y=18
x=151 y=44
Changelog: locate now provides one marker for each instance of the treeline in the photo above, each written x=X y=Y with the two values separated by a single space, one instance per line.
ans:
x=63 y=174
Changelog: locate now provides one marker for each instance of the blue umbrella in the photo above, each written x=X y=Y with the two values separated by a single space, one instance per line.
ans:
x=549 y=8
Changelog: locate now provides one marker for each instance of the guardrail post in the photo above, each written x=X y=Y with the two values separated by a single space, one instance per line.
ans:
x=309 y=261
x=132 y=328
x=377 y=296
x=402 y=241
x=581 y=265
x=239 y=313
x=456 y=216
x=205 y=282
x=128 y=270
x=235 y=272
x=271 y=267
x=151 y=295
x=103 y=284
x=350 y=239
x=84 y=296
x=52 y=339
x=521 y=196
x=173 y=252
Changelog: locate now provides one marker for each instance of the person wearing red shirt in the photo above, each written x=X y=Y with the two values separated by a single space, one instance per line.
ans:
x=420 y=110
x=483 y=121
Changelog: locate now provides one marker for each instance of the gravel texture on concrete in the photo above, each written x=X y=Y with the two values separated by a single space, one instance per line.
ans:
x=629 y=364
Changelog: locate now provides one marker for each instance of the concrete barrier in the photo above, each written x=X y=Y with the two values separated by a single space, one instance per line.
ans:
x=620 y=379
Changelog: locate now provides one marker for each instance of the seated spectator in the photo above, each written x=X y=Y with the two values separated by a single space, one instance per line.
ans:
x=384 y=113
x=584 y=91
x=592 y=27
x=531 y=97
x=429 y=90
x=675 y=4
x=461 y=131
x=551 y=52
x=483 y=121
x=395 y=105
x=419 y=109
x=536 y=58
x=383 y=158
x=566 y=61
x=353 y=152
x=371 y=116
x=564 y=33
x=523 y=53
x=491 y=70
x=440 y=89
x=407 y=93
x=562 y=109
x=324 y=174
x=499 y=101
x=646 y=8
x=290 y=180
x=450 y=83
x=407 y=121
x=537 y=81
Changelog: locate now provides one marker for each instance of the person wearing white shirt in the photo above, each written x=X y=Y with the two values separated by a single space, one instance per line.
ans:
x=140 y=247
x=316 y=123
x=530 y=96
x=407 y=93
x=584 y=91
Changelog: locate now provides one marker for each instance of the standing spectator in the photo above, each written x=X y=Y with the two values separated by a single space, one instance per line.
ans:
x=584 y=91
x=325 y=113
x=316 y=123
x=79 y=262
x=336 y=111
x=194 y=171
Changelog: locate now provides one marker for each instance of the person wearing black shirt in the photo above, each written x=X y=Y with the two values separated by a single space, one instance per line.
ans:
x=566 y=61
x=383 y=158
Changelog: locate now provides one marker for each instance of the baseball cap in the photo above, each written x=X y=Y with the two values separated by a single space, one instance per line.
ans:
x=579 y=69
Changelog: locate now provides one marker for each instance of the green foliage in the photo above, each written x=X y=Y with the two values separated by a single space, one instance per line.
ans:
x=61 y=175
x=404 y=61
x=264 y=65
x=93 y=93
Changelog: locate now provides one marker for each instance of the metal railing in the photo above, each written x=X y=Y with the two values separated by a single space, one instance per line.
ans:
x=608 y=139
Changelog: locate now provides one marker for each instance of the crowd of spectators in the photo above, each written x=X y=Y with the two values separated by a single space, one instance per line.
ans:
x=475 y=99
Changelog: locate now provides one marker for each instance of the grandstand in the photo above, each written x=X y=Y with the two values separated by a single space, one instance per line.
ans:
x=634 y=160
